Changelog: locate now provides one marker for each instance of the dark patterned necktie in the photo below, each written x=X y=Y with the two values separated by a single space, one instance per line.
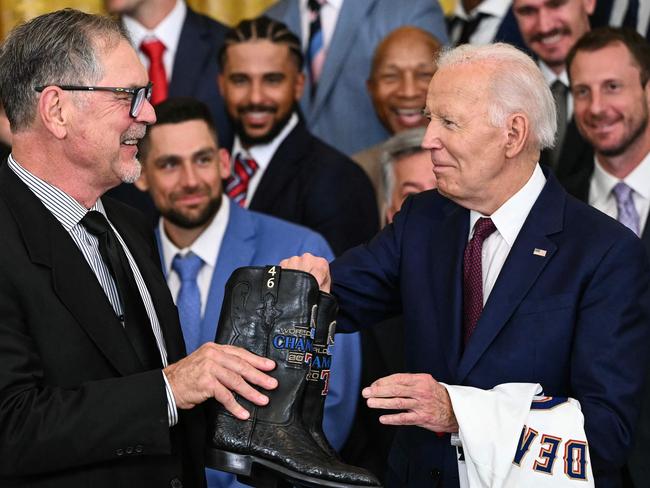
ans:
x=136 y=321
x=315 y=44
x=237 y=183
x=473 y=276
x=470 y=26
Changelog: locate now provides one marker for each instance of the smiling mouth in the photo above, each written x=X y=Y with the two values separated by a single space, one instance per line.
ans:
x=409 y=116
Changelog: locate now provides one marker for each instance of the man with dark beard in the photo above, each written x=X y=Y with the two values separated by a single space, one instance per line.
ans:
x=609 y=70
x=280 y=168
x=203 y=237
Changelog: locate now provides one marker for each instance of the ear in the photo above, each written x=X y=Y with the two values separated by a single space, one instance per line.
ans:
x=54 y=111
x=589 y=6
x=300 y=86
x=518 y=130
x=224 y=163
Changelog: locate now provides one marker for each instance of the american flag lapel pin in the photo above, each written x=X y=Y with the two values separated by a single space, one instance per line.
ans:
x=539 y=252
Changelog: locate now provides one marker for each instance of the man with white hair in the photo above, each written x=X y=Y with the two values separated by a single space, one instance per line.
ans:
x=501 y=278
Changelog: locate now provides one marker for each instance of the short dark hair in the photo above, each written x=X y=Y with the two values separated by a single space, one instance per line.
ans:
x=175 y=111
x=602 y=37
x=262 y=28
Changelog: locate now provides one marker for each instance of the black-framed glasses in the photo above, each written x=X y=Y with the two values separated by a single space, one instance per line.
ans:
x=138 y=94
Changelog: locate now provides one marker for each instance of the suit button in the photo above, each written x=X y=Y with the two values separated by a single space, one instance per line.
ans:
x=176 y=483
x=139 y=449
x=435 y=474
x=129 y=450
x=119 y=452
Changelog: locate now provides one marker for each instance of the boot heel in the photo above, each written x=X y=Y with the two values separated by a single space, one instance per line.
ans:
x=239 y=464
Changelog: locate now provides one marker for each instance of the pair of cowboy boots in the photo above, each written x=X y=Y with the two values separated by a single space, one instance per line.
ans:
x=281 y=315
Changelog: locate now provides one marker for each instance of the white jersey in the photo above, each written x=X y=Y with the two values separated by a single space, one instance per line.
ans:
x=511 y=438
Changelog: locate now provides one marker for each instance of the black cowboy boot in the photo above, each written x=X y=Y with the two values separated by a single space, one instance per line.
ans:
x=319 y=371
x=271 y=312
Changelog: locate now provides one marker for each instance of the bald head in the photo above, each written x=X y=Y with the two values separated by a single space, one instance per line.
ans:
x=402 y=67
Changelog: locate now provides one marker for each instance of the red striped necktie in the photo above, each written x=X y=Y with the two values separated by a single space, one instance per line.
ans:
x=237 y=183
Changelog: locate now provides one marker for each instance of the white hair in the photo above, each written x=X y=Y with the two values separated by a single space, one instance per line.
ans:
x=517 y=86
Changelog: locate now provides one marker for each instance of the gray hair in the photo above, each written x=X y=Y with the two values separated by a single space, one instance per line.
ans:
x=399 y=146
x=519 y=86
x=58 y=48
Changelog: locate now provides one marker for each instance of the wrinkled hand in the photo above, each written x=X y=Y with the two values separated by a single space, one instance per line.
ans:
x=425 y=402
x=218 y=371
x=319 y=267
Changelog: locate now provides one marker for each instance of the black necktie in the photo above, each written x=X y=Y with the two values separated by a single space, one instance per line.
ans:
x=136 y=321
x=469 y=27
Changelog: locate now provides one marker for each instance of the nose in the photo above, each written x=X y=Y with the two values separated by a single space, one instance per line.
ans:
x=545 y=21
x=256 y=93
x=431 y=140
x=407 y=87
x=147 y=113
x=189 y=177
x=595 y=103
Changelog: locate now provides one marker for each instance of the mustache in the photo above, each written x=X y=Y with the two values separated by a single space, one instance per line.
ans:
x=134 y=133
x=256 y=108
x=200 y=190
x=559 y=31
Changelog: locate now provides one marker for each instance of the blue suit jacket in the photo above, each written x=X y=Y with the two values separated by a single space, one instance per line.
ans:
x=196 y=67
x=342 y=113
x=253 y=239
x=571 y=320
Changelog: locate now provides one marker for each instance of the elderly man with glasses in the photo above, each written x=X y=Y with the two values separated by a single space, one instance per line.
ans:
x=95 y=388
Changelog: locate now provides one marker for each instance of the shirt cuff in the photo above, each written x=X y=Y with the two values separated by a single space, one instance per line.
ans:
x=172 y=411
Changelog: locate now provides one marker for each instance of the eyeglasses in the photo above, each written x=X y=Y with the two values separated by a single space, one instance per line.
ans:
x=138 y=94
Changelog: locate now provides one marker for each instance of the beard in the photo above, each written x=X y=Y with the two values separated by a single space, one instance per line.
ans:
x=131 y=173
x=634 y=136
x=275 y=129
x=186 y=221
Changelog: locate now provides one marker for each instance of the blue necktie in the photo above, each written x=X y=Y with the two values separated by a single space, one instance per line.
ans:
x=627 y=213
x=189 y=298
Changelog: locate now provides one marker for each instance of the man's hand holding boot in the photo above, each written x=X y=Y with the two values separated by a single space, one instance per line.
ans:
x=318 y=267
x=218 y=371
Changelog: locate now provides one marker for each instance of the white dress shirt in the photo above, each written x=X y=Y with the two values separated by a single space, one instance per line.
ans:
x=487 y=29
x=168 y=31
x=206 y=246
x=262 y=154
x=508 y=219
x=329 y=14
x=602 y=183
x=550 y=77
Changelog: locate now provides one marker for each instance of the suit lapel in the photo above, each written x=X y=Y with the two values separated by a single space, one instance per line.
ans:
x=48 y=244
x=237 y=250
x=447 y=280
x=196 y=48
x=520 y=271
x=282 y=168
x=352 y=15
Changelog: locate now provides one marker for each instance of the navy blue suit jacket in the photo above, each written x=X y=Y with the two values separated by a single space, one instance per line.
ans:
x=638 y=467
x=196 y=67
x=253 y=239
x=571 y=320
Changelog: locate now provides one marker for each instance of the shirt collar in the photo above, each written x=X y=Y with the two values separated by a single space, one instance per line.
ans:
x=604 y=182
x=168 y=31
x=550 y=76
x=510 y=217
x=494 y=8
x=204 y=246
x=263 y=153
x=337 y=4
x=65 y=209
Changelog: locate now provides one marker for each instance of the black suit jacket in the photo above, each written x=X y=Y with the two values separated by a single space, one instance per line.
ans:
x=638 y=469
x=576 y=155
x=77 y=408
x=313 y=184
x=196 y=67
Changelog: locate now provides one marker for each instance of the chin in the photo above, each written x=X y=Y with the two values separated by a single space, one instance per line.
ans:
x=130 y=172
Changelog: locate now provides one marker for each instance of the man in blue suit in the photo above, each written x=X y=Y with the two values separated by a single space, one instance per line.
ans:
x=182 y=169
x=192 y=42
x=609 y=70
x=340 y=111
x=500 y=275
